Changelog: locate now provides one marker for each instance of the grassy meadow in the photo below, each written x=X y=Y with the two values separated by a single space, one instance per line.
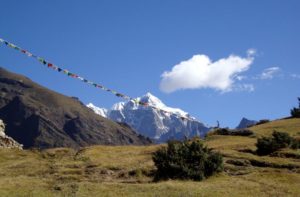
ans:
x=128 y=170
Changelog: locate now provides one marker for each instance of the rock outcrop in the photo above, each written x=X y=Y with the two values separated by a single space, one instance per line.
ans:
x=245 y=123
x=6 y=141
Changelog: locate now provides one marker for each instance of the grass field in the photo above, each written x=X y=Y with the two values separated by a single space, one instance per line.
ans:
x=128 y=170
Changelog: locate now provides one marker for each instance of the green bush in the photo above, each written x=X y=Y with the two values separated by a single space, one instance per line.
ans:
x=268 y=145
x=263 y=121
x=295 y=143
x=186 y=160
x=234 y=132
x=295 y=112
x=282 y=139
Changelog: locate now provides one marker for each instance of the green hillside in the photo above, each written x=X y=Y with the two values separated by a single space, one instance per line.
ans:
x=128 y=170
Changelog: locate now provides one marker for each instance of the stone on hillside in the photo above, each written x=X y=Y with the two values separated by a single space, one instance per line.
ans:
x=2 y=127
x=6 y=141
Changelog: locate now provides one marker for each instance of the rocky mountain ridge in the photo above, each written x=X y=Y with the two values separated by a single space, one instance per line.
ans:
x=38 y=117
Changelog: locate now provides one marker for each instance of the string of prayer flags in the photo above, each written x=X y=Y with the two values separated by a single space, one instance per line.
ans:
x=96 y=85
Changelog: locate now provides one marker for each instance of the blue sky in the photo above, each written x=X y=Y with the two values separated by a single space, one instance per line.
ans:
x=128 y=45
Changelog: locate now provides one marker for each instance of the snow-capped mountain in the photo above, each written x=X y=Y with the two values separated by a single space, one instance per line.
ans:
x=151 y=122
x=100 y=111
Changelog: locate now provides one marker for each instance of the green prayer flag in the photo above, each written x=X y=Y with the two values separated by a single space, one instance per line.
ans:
x=41 y=60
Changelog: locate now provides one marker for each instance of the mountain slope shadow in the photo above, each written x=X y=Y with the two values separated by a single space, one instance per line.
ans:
x=38 y=117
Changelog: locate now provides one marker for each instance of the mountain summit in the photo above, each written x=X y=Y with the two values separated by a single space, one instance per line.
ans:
x=244 y=123
x=151 y=122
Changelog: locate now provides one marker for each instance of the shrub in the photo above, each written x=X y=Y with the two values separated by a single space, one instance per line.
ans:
x=263 y=121
x=220 y=131
x=244 y=132
x=186 y=160
x=295 y=112
x=295 y=143
x=236 y=132
x=282 y=139
x=267 y=145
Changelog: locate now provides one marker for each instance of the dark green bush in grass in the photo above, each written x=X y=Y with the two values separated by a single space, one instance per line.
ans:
x=295 y=143
x=282 y=139
x=234 y=132
x=295 y=112
x=267 y=145
x=186 y=160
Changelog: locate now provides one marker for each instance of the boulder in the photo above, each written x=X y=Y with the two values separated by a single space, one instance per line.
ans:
x=6 y=141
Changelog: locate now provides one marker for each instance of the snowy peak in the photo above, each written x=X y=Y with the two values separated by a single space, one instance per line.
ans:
x=157 y=123
x=151 y=100
x=156 y=102
x=100 y=111
x=130 y=105
x=133 y=104
x=118 y=106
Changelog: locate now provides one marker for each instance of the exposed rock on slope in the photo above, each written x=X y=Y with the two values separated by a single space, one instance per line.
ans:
x=2 y=128
x=38 y=117
x=6 y=141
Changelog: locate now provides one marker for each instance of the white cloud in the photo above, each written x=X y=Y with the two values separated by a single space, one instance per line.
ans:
x=200 y=72
x=269 y=73
x=295 y=76
x=244 y=87
x=251 y=52
x=241 y=77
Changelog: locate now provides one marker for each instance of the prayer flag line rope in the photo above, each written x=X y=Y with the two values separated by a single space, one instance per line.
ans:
x=96 y=85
